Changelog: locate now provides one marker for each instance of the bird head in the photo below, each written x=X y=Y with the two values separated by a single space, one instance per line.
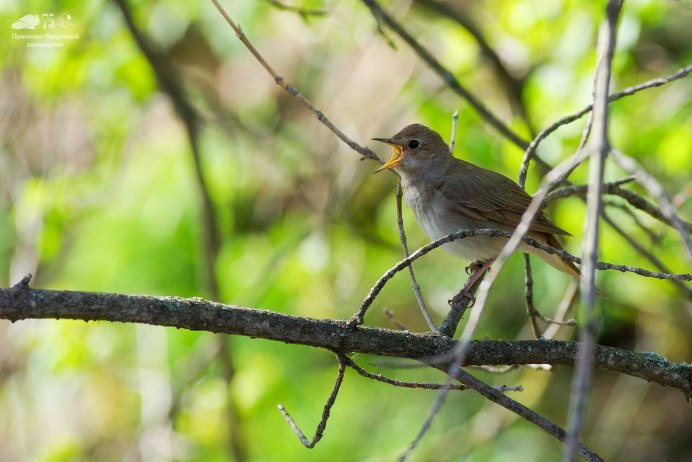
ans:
x=415 y=147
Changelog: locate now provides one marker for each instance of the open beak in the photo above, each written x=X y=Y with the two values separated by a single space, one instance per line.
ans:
x=396 y=157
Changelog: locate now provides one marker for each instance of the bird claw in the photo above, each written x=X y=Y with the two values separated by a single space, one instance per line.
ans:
x=474 y=266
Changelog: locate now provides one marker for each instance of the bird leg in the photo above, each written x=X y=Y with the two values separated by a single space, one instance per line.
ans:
x=464 y=299
x=476 y=269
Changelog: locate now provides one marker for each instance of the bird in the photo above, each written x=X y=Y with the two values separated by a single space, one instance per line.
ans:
x=447 y=194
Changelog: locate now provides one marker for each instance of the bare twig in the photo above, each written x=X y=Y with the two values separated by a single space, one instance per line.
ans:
x=322 y=425
x=562 y=310
x=599 y=150
x=381 y=15
x=365 y=152
x=404 y=245
x=381 y=30
x=504 y=401
x=24 y=282
x=580 y=190
x=453 y=136
x=580 y=156
x=567 y=323
x=535 y=315
x=528 y=297
x=399 y=383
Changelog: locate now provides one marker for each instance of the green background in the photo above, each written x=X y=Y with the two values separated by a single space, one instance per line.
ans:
x=98 y=193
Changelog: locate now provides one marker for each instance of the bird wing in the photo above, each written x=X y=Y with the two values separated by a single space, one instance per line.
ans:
x=484 y=194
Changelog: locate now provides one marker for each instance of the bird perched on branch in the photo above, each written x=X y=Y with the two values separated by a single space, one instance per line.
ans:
x=447 y=194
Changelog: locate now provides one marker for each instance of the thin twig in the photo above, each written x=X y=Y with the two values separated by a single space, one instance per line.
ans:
x=580 y=156
x=453 y=136
x=380 y=14
x=365 y=152
x=404 y=245
x=322 y=425
x=562 y=310
x=528 y=297
x=399 y=383
x=534 y=314
x=424 y=385
x=599 y=150
x=580 y=190
x=24 y=282
x=504 y=401
x=567 y=323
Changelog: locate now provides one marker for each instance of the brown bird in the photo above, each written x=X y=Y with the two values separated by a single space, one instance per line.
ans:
x=447 y=194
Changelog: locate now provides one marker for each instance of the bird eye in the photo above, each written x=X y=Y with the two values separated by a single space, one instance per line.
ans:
x=413 y=144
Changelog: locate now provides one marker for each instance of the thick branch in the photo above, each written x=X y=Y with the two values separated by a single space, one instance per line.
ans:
x=21 y=302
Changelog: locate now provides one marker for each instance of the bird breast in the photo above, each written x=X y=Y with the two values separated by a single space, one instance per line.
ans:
x=437 y=219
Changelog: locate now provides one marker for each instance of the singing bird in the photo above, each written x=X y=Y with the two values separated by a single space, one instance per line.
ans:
x=447 y=194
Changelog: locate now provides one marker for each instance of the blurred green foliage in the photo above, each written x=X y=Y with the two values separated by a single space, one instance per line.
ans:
x=98 y=193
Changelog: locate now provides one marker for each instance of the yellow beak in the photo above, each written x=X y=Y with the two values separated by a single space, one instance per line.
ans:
x=396 y=157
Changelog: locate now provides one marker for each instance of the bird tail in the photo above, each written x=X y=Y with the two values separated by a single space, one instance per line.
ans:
x=565 y=265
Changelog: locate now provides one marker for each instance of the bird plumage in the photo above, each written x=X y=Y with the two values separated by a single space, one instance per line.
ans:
x=447 y=194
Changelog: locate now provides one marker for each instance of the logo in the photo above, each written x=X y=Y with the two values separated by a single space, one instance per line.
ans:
x=30 y=21
x=50 y=30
